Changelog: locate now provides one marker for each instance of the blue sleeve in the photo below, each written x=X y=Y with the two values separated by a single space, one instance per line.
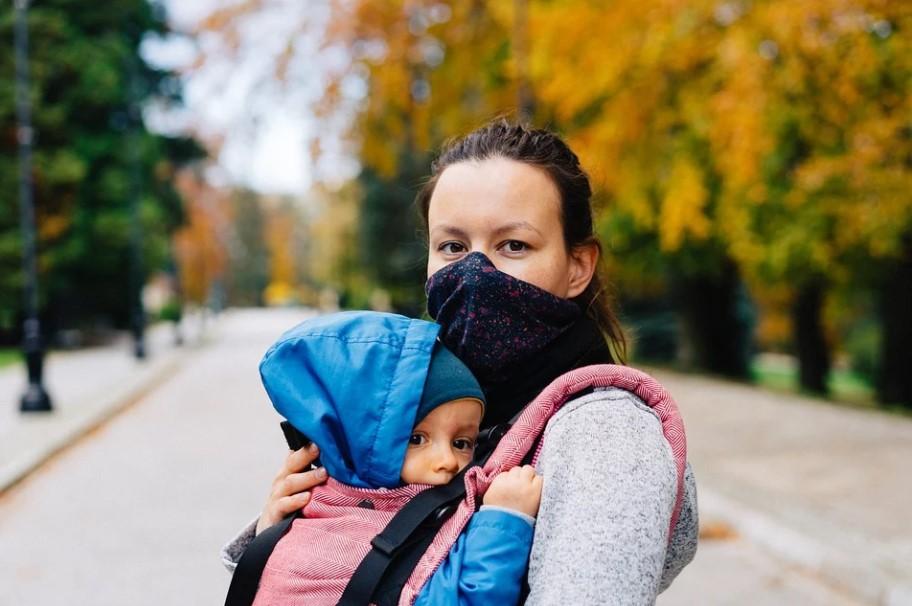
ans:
x=485 y=566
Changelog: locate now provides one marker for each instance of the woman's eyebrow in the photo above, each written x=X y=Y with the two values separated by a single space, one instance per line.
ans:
x=513 y=225
x=451 y=230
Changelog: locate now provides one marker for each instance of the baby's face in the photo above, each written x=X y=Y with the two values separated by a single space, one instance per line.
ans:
x=442 y=443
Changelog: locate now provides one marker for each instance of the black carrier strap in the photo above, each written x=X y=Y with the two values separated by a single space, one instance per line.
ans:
x=400 y=569
x=395 y=551
x=414 y=525
x=246 y=579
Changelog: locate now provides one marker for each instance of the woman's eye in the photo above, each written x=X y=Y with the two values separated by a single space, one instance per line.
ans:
x=515 y=246
x=451 y=248
x=462 y=444
x=416 y=439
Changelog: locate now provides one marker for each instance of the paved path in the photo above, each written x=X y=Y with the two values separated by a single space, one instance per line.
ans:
x=86 y=387
x=737 y=572
x=135 y=513
x=825 y=487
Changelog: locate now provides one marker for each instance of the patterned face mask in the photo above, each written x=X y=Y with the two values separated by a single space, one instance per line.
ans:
x=491 y=320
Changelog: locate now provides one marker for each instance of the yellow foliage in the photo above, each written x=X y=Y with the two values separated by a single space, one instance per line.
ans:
x=53 y=226
x=683 y=207
x=279 y=237
x=777 y=129
x=279 y=293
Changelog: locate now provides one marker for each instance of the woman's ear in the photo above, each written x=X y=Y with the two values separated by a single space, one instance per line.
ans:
x=583 y=261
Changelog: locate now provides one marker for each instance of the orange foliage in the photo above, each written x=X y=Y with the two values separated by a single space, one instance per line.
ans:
x=200 y=245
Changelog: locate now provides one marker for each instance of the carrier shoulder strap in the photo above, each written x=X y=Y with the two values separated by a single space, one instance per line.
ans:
x=392 y=579
x=246 y=578
x=400 y=569
x=432 y=506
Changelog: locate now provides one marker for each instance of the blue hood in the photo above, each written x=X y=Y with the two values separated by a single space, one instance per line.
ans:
x=351 y=382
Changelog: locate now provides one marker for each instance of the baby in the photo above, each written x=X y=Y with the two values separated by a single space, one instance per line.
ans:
x=393 y=412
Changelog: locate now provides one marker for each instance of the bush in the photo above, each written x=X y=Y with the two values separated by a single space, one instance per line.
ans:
x=170 y=312
x=863 y=344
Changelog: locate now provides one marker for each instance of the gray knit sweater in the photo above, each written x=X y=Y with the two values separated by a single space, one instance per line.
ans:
x=609 y=490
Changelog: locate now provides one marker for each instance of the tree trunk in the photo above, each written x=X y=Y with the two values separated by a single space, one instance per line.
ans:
x=810 y=343
x=718 y=322
x=895 y=381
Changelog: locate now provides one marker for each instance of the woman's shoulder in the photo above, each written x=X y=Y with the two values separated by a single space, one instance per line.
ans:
x=604 y=404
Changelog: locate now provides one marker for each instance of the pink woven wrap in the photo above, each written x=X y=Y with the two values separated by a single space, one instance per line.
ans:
x=312 y=564
x=521 y=437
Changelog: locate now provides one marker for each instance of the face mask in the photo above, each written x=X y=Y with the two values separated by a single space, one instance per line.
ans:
x=491 y=320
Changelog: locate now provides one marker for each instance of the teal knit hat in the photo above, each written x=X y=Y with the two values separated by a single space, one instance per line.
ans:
x=447 y=379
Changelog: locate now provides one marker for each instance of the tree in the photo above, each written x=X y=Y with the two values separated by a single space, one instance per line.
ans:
x=201 y=243
x=732 y=142
x=248 y=257
x=769 y=133
x=86 y=72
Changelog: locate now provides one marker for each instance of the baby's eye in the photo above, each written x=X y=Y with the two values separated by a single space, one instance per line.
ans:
x=463 y=444
x=416 y=439
x=451 y=248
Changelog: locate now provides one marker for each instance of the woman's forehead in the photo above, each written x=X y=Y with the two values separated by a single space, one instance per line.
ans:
x=494 y=191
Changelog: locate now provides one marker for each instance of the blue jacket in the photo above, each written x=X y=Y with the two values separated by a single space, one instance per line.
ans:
x=351 y=382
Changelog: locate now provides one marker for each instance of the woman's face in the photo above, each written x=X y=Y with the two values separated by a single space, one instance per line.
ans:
x=510 y=211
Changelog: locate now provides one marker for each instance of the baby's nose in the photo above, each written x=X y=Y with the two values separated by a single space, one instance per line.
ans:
x=446 y=461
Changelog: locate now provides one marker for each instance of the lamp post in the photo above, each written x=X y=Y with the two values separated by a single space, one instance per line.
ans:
x=137 y=312
x=35 y=399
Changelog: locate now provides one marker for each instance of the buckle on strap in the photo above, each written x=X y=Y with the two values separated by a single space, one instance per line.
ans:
x=384 y=545
x=388 y=547
x=444 y=512
x=487 y=441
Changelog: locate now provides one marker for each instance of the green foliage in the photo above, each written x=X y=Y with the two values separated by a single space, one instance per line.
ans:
x=781 y=374
x=170 y=311
x=863 y=344
x=248 y=258
x=89 y=158
x=10 y=356
x=392 y=250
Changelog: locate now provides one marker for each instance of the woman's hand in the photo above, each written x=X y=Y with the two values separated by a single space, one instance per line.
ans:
x=518 y=489
x=291 y=487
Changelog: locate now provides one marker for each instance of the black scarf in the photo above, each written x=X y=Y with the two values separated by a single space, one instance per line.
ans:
x=580 y=345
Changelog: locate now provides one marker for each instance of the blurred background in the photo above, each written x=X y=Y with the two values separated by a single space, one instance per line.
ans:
x=162 y=162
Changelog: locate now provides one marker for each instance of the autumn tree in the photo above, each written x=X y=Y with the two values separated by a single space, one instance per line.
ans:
x=334 y=261
x=284 y=238
x=201 y=243
x=763 y=143
x=768 y=137
x=248 y=256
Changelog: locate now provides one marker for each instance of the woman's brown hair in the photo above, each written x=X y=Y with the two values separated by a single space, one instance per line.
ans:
x=547 y=151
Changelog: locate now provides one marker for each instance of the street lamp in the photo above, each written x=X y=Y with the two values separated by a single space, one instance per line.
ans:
x=35 y=398
x=137 y=312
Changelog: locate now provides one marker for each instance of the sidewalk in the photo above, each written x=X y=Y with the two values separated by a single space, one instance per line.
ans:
x=826 y=488
x=87 y=387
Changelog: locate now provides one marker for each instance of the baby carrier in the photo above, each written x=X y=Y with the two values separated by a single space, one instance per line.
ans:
x=414 y=528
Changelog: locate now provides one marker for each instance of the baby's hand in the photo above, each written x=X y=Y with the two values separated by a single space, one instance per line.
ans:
x=519 y=489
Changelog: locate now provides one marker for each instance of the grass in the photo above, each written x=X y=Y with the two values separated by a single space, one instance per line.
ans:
x=9 y=356
x=781 y=373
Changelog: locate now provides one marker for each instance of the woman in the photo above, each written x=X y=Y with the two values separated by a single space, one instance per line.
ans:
x=513 y=281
